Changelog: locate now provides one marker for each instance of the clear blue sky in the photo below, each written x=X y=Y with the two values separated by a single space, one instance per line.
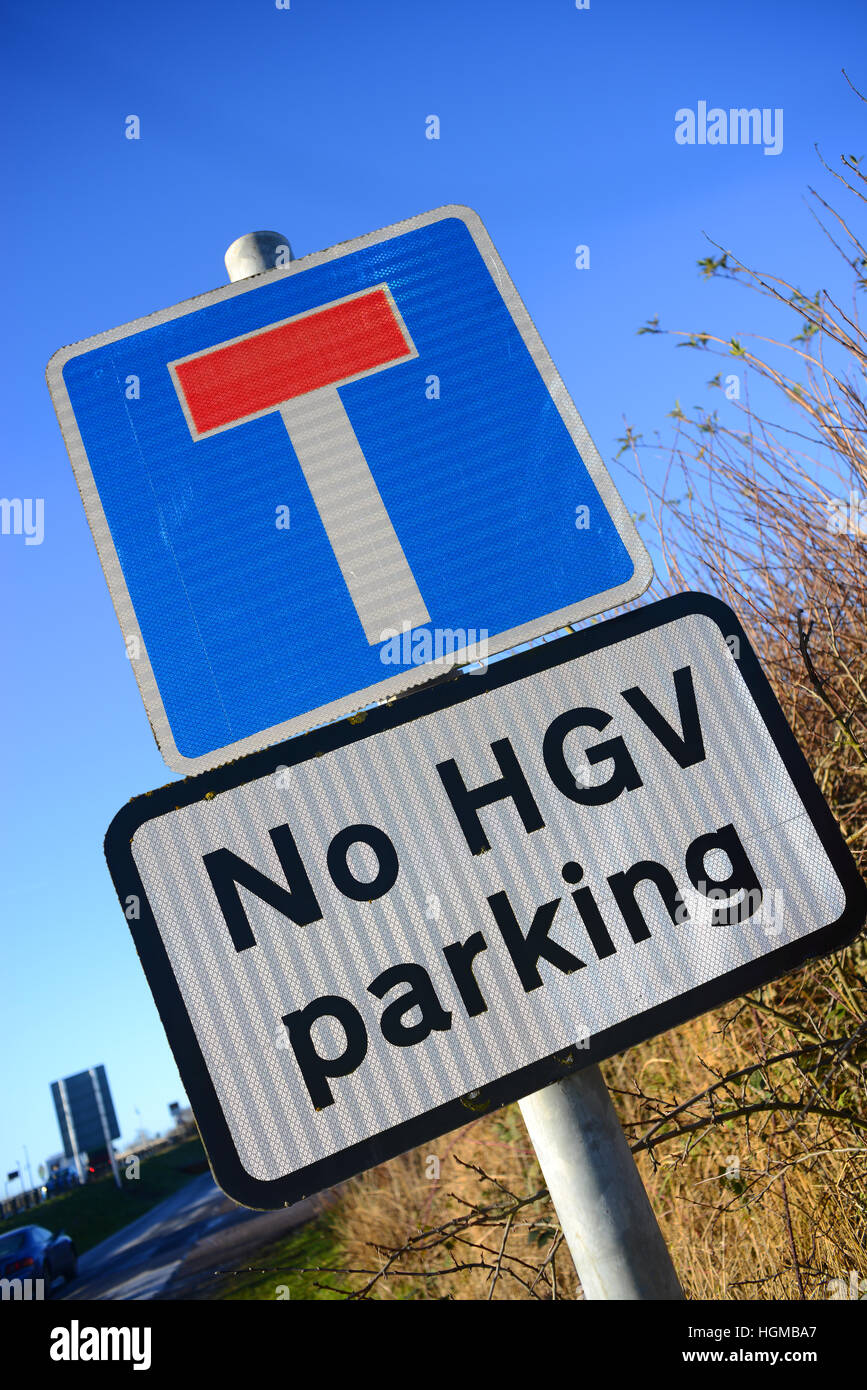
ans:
x=557 y=126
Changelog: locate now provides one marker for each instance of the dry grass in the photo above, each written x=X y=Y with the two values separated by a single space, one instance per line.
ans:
x=748 y=1124
x=765 y=1205
x=487 y=1250
x=769 y=1203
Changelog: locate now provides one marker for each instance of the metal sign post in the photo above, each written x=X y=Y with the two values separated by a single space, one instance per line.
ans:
x=71 y=1148
x=614 y=1239
x=104 y=1125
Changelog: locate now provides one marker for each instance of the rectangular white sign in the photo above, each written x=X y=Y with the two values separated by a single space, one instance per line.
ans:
x=364 y=937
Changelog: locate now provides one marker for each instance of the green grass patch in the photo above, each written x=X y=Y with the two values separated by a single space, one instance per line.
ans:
x=95 y=1211
x=276 y=1274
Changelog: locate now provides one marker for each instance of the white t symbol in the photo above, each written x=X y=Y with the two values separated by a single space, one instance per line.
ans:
x=295 y=367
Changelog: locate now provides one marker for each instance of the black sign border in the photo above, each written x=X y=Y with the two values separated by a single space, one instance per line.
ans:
x=228 y=1170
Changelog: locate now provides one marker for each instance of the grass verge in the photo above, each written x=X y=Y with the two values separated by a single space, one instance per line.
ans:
x=276 y=1274
x=91 y=1213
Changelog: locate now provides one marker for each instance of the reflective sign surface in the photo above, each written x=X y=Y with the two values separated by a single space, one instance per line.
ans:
x=331 y=482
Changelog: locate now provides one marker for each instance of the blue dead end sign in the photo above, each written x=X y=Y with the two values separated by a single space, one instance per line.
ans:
x=322 y=486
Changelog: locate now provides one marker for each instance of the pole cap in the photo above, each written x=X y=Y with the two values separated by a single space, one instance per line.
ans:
x=255 y=252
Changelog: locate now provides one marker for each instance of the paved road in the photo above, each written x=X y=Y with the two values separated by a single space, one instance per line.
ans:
x=172 y=1249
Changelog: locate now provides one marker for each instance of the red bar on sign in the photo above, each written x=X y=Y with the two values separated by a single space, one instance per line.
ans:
x=259 y=373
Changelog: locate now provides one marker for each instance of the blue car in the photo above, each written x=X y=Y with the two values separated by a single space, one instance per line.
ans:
x=60 y=1181
x=31 y=1252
